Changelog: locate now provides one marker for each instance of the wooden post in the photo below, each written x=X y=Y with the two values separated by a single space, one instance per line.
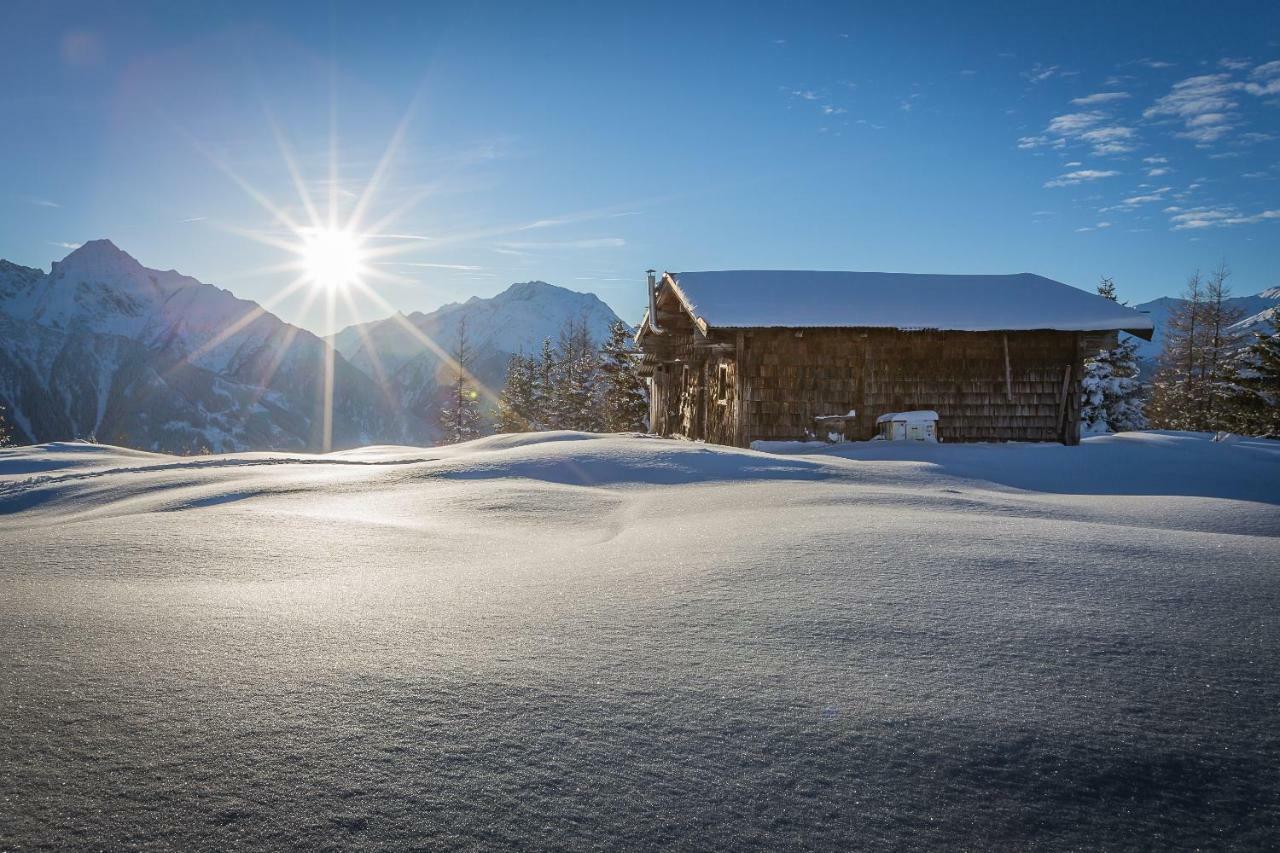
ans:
x=1008 y=371
x=740 y=407
x=1062 y=404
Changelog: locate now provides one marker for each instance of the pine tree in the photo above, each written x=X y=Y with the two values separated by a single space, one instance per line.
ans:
x=1256 y=402
x=1112 y=392
x=576 y=399
x=460 y=416
x=6 y=435
x=1107 y=288
x=545 y=376
x=516 y=404
x=626 y=398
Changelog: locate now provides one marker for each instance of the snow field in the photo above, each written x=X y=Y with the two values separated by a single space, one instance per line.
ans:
x=572 y=641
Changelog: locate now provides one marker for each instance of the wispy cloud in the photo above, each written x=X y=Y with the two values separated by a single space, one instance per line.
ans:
x=596 y=243
x=1203 y=103
x=1156 y=173
x=1084 y=127
x=1039 y=73
x=62 y=245
x=1266 y=79
x=462 y=267
x=1080 y=176
x=194 y=219
x=39 y=202
x=1216 y=217
x=1099 y=98
x=1098 y=227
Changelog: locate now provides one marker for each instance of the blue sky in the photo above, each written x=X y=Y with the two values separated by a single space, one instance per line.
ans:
x=580 y=143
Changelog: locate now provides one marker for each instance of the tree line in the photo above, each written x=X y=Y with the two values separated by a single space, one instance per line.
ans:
x=1211 y=376
x=572 y=383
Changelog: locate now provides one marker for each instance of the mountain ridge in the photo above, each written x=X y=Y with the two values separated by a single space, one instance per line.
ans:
x=103 y=347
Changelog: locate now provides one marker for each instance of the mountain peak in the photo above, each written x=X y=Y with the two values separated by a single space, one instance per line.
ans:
x=99 y=255
x=529 y=290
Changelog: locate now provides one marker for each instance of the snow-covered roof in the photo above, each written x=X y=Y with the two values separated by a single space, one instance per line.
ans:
x=909 y=417
x=739 y=299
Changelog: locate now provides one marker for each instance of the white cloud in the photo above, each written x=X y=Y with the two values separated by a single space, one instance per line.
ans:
x=1098 y=227
x=60 y=244
x=1154 y=195
x=1109 y=140
x=1073 y=123
x=1217 y=217
x=598 y=243
x=1204 y=103
x=1268 y=76
x=1155 y=173
x=1073 y=163
x=1039 y=73
x=1071 y=178
x=1155 y=159
x=1233 y=64
x=462 y=267
x=1099 y=98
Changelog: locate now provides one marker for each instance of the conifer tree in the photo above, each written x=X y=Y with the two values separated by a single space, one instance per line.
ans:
x=1112 y=392
x=546 y=374
x=576 y=399
x=1256 y=402
x=515 y=411
x=6 y=435
x=626 y=398
x=460 y=416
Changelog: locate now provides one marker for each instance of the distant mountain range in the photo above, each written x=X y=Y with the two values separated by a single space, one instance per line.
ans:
x=517 y=320
x=102 y=347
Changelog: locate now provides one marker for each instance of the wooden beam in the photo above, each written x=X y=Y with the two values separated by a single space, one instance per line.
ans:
x=1008 y=372
x=1062 y=404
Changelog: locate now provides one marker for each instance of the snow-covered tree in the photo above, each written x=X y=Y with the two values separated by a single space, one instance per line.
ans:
x=545 y=375
x=1112 y=393
x=576 y=397
x=460 y=416
x=517 y=404
x=626 y=397
x=1256 y=403
x=1194 y=384
x=6 y=435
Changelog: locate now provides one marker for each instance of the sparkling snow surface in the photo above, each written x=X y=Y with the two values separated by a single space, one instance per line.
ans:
x=581 y=642
x=972 y=303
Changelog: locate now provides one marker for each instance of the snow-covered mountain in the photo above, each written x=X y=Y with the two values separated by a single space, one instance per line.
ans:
x=104 y=347
x=1257 y=309
x=517 y=320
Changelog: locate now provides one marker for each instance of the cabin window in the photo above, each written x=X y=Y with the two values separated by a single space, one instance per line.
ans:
x=722 y=384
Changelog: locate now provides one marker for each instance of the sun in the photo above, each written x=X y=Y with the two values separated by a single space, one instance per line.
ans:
x=332 y=258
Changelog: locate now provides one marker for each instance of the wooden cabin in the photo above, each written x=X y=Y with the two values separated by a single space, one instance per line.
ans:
x=739 y=356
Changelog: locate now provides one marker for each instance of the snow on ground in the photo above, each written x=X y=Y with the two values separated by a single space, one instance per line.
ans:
x=578 y=641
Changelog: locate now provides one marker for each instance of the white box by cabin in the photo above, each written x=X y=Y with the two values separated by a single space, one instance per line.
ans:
x=908 y=426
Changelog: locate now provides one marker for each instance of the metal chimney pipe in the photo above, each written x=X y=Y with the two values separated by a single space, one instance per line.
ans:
x=653 y=304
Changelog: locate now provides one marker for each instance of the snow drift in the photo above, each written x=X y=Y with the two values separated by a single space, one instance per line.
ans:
x=581 y=641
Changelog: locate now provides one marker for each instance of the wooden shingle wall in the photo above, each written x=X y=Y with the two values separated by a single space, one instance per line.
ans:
x=771 y=383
